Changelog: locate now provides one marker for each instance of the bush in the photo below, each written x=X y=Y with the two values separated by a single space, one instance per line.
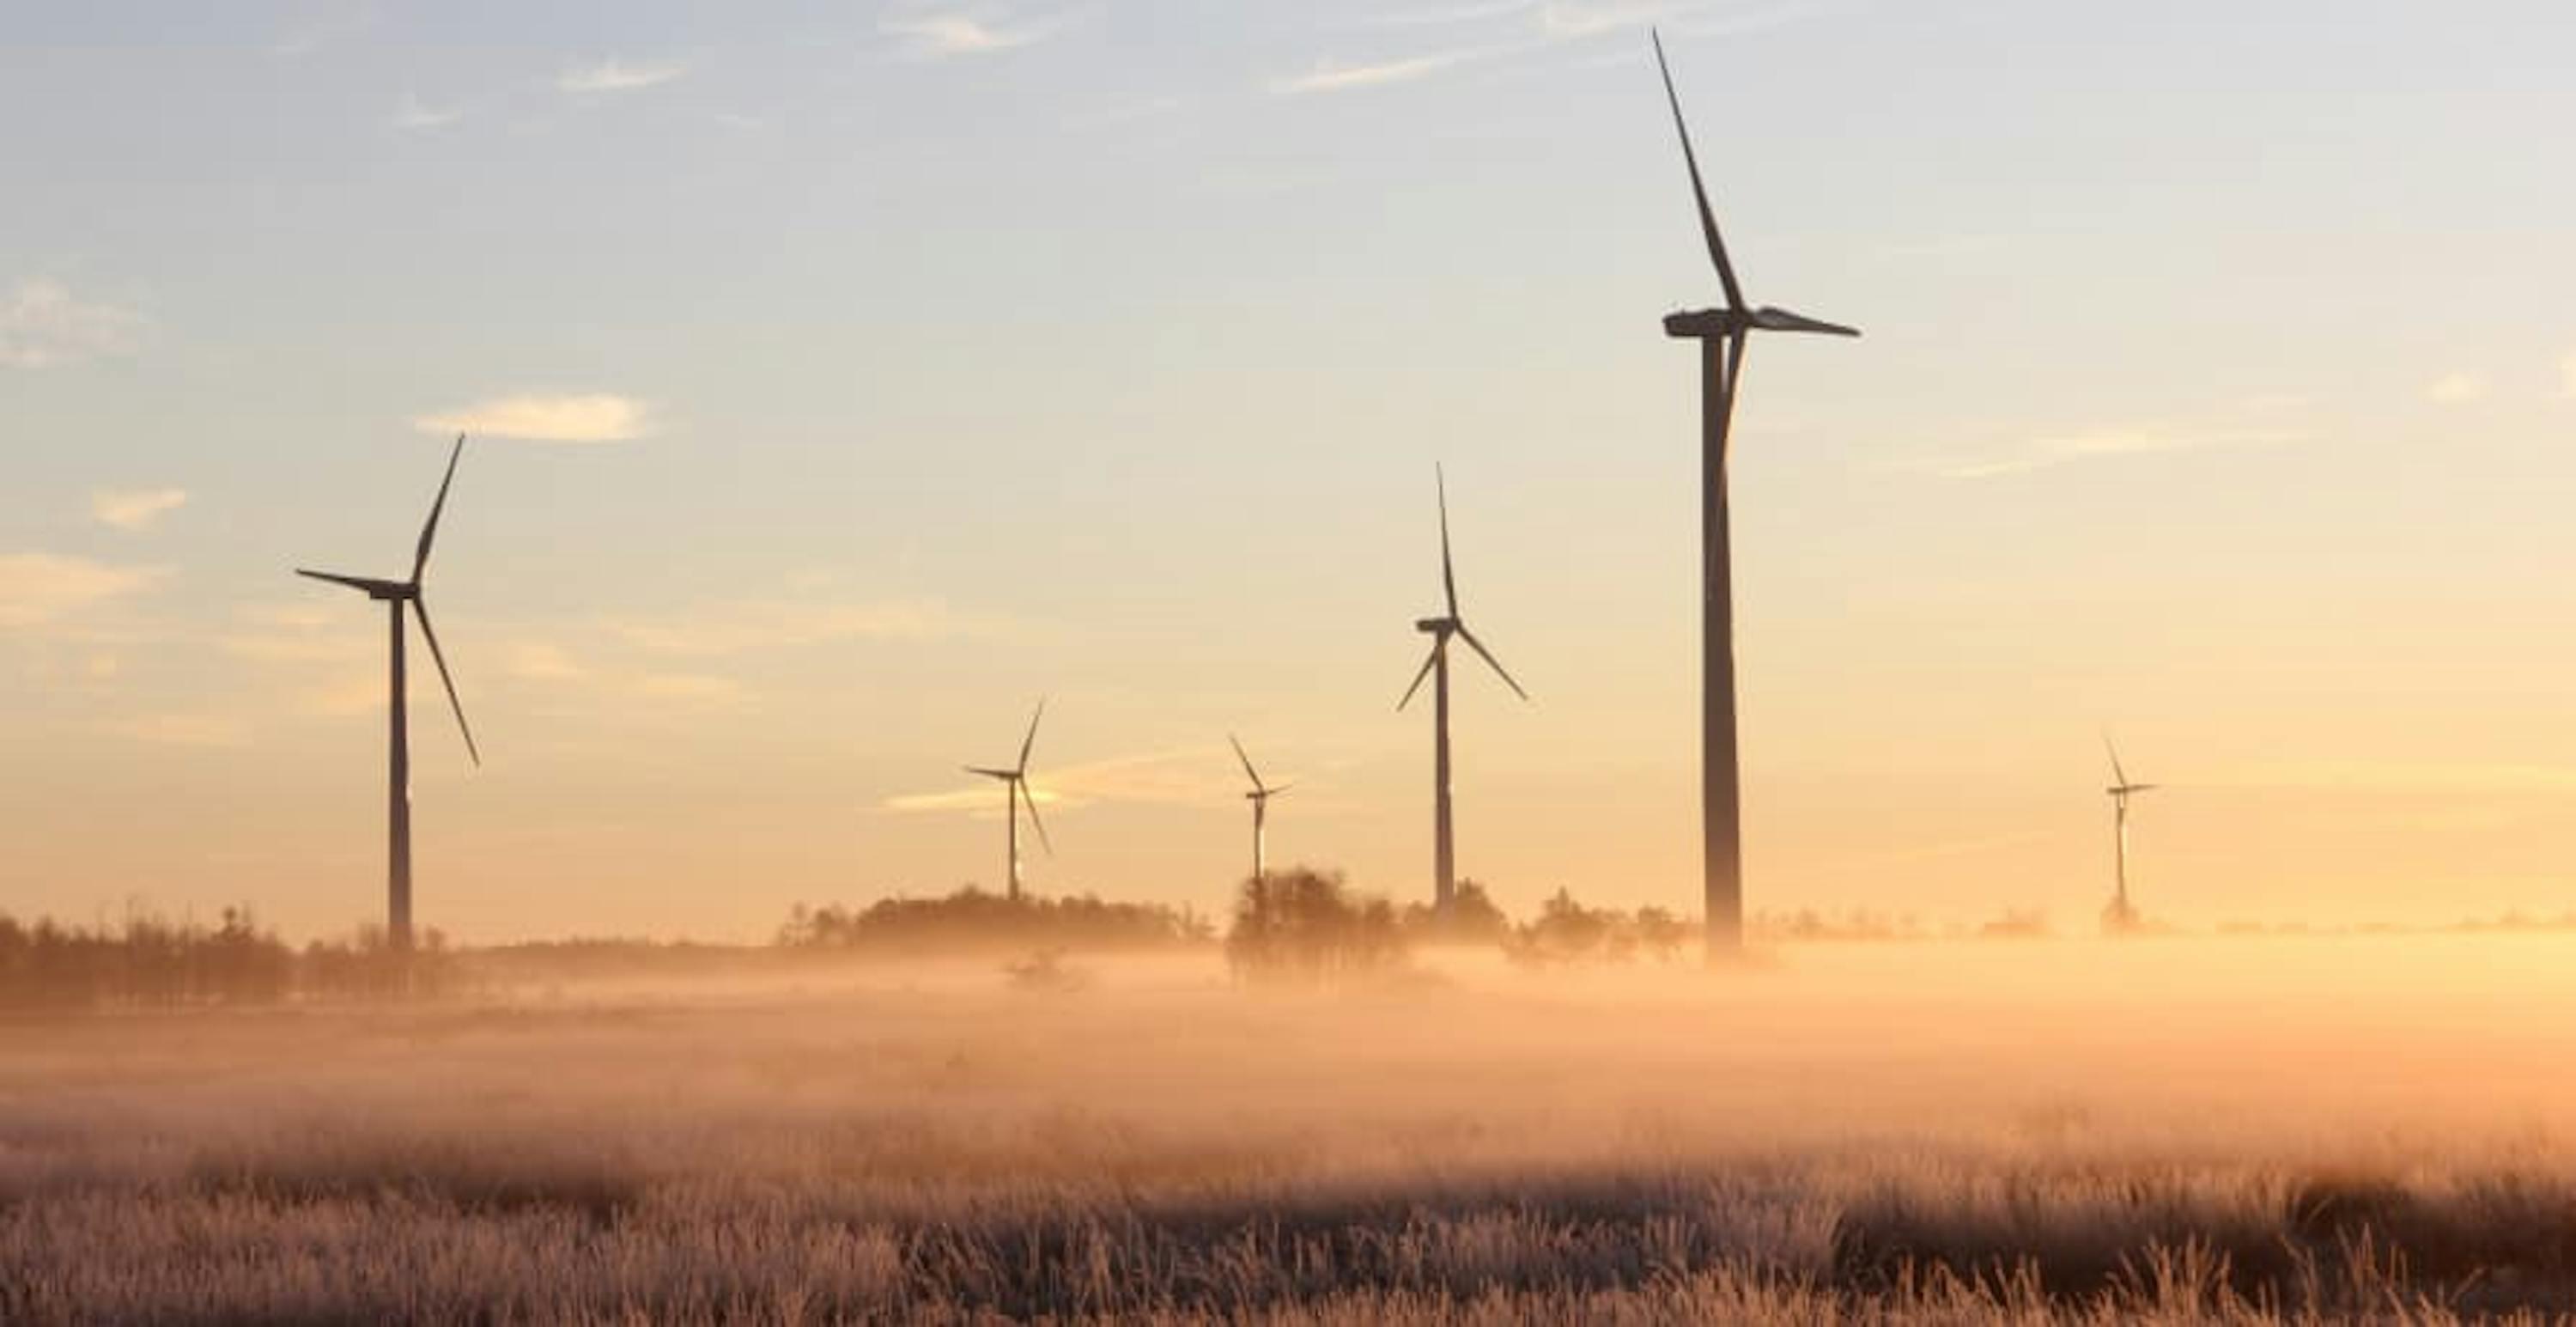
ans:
x=149 y=963
x=1472 y=919
x=972 y=921
x=1306 y=926
x=1566 y=932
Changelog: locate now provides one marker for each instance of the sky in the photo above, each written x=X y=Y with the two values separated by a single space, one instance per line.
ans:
x=844 y=377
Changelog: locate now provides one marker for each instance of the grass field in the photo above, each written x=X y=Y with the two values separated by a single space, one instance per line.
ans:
x=2170 y=1130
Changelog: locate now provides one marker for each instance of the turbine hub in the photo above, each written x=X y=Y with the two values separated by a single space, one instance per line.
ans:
x=1437 y=626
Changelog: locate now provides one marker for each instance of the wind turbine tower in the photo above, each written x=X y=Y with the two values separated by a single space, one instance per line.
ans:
x=2120 y=916
x=1722 y=333
x=1444 y=857
x=1260 y=798
x=395 y=595
x=1015 y=794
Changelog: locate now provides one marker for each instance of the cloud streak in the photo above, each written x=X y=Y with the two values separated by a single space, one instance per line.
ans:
x=592 y=418
x=2050 y=452
x=950 y=34
x=613 y=75
x=2456 y=389
x=43 y=327
x=135 y=509
x=756 y=625
x=414 y=117
x=1330 y=77
x=39 y=589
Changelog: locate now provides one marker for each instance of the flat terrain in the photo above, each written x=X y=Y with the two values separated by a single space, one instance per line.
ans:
x=2178 y=1130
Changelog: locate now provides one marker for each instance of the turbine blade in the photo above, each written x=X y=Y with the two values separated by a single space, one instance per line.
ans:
x=1417 y=679
x=2118 y=775
x=1781 y=320
x=1273 y=792
x=1249 y=771
x=1031 y=800
x=353 y=582
x=1448 y=575
x=1497 y=664
x=429 y=530
x=1699 y=190
x=420 y=609
x=990 y=773
x=1032 y=739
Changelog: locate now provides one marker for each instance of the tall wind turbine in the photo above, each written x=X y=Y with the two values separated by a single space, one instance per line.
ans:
x=1015 y=793
x=2120 y=916
x=394 y=595
x=1722 y=333
x=1260 y=798
x=1444 y=859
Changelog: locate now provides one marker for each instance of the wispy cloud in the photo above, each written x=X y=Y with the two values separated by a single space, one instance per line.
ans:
x=2407 y=777
x=39 y=589
x=43 y=327
x=2051 y=451
x=945 y=34
x=1328 y=76
x=413 y=115
x=1445 y=15
x=297 y=633
x=698 y=689
x=597 y=417
x=214 y=730
x=2456 y=389
x=615 y=75
x=1199 y=776
x=542 y=661
x=741 y=628
x=135 y=509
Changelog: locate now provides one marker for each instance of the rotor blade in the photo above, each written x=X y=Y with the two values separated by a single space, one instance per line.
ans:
x=429 y=530
x=1781 y=320
x=990 y=773
x=1249 y=771
x=420 y=609
x=353 y=582
x=1699 y=191
x=2118 y=775
x=1488 y=656
x=1273 y=792
x=1448 y=576
x=1031 y=799
x=1417 y=678
x=1032 y=739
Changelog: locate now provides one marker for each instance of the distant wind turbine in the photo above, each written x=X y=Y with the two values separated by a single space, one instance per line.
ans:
x=1260 y=798
x=394 y=595
x=2121 y=915
x=1440 y=629
x=1015 y=793
x=1722 y=333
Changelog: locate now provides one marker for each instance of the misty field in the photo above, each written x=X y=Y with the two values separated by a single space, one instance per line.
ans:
x=2203 y=1130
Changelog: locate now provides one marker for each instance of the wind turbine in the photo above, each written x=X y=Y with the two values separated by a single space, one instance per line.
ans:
x=394 y=595
x=2120 y=916
x=1444 y=854
x=1722 y=333
x=1015 y=786
x=1260 y=798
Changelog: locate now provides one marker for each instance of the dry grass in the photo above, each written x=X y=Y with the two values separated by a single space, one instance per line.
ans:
x=2243 y=1131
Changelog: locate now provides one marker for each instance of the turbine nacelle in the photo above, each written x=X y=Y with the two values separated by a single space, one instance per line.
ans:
x=1718 y=324
x=382 y=591
x=1437 y=626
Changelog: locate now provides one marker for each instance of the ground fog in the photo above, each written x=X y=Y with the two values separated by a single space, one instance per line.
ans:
x=2170 y=1129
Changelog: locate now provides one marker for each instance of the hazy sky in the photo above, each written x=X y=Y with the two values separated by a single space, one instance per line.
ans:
x=879 y=367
